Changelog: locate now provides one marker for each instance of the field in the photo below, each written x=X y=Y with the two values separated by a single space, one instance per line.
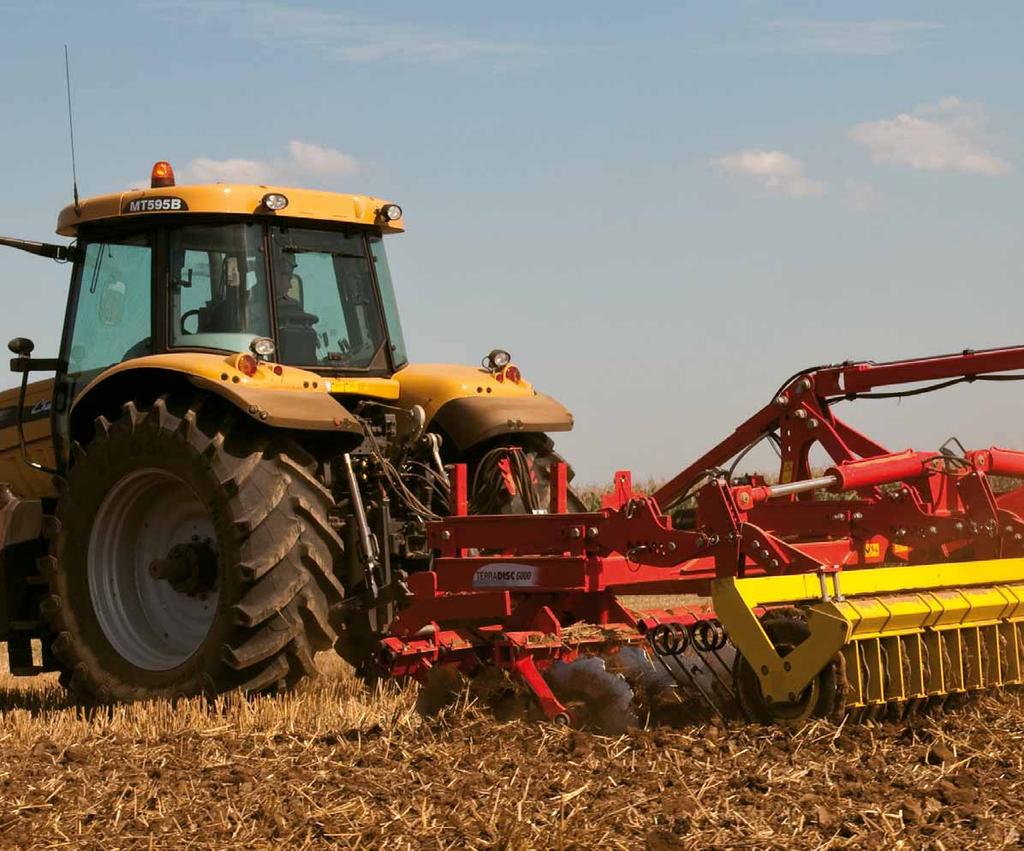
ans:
x=332 y=765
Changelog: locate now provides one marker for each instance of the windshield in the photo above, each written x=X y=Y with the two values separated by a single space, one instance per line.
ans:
x=325 y=300
x=218 y=286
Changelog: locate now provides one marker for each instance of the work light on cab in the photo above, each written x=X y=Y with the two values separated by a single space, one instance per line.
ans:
x=390 y=212
x=275 y=201
x=162 y=175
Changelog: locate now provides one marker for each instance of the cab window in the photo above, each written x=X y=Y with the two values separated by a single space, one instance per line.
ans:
x=217 y=286
x=325 y=300
x=387 y=300
x=112 y=314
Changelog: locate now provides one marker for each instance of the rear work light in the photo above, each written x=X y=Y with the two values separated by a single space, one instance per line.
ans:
x=496 y=360
x=162 y=175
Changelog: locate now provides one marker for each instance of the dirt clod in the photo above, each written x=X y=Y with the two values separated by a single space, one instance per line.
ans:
x=939 y=754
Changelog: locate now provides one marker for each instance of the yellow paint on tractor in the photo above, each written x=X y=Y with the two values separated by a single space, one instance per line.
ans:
x=233 y=199
x=23 y=479
x=223 y=368
x=431 y=385
x=904 y=633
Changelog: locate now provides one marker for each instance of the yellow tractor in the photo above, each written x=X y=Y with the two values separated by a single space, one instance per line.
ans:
x=235 y=463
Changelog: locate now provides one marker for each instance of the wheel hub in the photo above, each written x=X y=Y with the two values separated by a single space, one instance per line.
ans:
x=153 y=569
x=190 y=568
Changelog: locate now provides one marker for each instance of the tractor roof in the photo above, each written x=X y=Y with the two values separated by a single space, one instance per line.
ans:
x=227 y=198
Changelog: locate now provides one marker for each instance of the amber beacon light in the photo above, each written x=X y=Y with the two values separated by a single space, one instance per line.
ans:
x=162 y=175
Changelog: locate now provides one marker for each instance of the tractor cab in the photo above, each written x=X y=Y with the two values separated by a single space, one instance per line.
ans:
x=221 y=285
x=218 y=269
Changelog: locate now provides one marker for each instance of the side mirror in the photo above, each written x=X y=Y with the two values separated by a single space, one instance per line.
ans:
x=24 y=362
x=21 y=346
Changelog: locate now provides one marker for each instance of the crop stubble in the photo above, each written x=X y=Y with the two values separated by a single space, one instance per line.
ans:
x=333 y=765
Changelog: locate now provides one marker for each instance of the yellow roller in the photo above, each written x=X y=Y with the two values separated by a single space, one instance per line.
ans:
x=898 y=634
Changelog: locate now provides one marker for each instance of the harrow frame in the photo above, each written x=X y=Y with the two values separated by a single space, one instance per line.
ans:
x=523 y=592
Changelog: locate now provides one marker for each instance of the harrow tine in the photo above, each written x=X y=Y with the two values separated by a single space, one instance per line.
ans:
x=726 y=684
x=684 y=677
x=705 y=672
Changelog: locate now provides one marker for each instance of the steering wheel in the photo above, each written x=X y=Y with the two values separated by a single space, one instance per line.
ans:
x=348 y=354
x=188 y=314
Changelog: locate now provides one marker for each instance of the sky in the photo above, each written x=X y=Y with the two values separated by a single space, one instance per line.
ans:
x=661 y=209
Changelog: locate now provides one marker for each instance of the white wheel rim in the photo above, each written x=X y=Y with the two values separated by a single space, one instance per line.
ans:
x=146 y=620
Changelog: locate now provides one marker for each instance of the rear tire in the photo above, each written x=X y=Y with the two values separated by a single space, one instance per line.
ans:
x=494 y=491
x=191 y=553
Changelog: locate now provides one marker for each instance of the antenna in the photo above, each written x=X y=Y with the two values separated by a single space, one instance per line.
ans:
x=71 y=128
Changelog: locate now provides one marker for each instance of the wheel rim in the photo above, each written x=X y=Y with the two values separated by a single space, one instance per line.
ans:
x=799 y=710
x=802 y=707
x=151 y=622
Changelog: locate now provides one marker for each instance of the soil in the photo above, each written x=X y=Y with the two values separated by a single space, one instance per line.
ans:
x=335 y=766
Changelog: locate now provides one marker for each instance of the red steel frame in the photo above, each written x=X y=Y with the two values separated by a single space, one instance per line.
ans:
x=522 y=591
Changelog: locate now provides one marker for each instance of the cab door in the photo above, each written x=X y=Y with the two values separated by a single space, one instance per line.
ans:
x=109 y=318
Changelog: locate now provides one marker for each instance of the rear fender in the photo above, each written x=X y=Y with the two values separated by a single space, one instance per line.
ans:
x=295 y=399
x=475 y=405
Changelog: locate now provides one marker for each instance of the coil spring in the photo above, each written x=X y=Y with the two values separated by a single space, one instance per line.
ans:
x=672 y=639
x=708 y=636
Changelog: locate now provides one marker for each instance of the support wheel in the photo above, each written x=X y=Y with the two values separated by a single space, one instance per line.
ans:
x=190 y=554
x=818 y=699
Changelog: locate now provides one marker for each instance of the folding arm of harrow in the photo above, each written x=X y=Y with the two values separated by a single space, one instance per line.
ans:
x=522 y=592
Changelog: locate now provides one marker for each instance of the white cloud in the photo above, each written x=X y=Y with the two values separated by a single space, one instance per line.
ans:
x=945 y=136
x=303 y=163
x=775 y=172
x=314 y=159
x=335 y=34
x=204 y=170
x=861 y=196
x=845 y=38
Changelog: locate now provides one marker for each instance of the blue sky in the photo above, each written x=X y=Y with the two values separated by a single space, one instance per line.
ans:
x=661 y=210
